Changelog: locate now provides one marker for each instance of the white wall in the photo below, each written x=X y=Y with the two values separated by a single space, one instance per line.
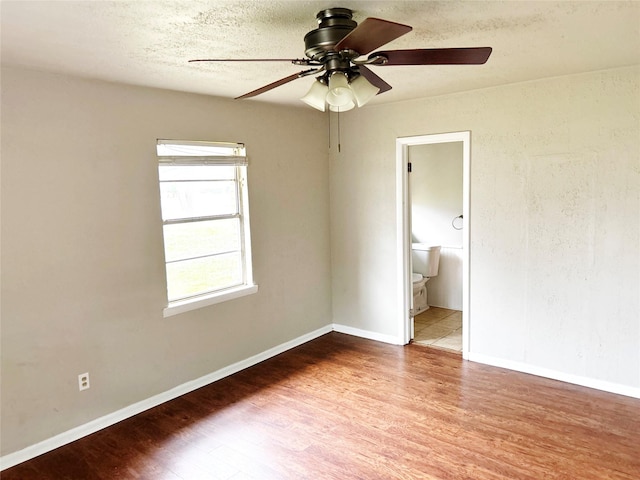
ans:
x=436 y=182
x=555 y=220
x=436 y=193
x=83 y=284
x=445 y=290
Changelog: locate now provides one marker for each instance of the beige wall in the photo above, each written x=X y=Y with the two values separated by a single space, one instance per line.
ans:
x=555 y=220
x=83 y=283
x=555 y=234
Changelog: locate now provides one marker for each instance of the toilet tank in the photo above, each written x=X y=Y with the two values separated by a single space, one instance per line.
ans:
x=426 y=259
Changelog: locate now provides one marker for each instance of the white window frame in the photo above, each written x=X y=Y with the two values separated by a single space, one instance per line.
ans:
x=179 y=152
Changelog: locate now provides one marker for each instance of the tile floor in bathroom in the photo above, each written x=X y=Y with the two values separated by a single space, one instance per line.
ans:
x=440 y=328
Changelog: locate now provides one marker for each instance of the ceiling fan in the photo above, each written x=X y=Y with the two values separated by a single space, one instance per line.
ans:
x=335 y=50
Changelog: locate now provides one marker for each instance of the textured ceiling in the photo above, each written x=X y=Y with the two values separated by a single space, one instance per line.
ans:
x=149 y=42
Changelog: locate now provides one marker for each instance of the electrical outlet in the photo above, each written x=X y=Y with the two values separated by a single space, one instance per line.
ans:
x=83 y=381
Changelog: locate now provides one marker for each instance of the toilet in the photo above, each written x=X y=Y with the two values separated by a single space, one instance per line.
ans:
x=426 y=261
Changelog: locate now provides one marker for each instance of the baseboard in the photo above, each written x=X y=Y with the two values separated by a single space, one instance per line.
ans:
x=98 y=424
x=93 y=426
x=356 y=332
x=555 y=375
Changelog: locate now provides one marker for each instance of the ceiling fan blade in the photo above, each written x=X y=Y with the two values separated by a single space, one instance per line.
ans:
x=278 y=83
x=371 y=34
x=374 y=79
x=436 y=56
x=292 y=60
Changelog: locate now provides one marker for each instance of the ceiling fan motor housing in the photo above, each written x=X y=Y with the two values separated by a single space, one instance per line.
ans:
x=334 y=25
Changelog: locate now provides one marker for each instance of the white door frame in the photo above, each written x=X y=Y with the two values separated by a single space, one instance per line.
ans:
x=403 y=215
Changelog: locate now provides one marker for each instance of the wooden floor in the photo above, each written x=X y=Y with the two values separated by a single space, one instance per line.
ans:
x=341 y=407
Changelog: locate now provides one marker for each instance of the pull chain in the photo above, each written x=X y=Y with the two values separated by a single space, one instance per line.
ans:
x=338 y=130
x=339 y=146
x=329 y=113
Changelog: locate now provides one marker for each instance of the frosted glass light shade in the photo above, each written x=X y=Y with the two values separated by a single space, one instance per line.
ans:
x=316 y=96
x=340 y=95
x=342 y=108
x=363 y=90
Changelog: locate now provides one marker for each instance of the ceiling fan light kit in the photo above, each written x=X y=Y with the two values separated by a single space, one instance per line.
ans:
x=363 y=90
x=335 y=48
x=340 y=94
x=316 y=96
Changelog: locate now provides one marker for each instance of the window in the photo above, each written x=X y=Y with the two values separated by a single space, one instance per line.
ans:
x=205 y=215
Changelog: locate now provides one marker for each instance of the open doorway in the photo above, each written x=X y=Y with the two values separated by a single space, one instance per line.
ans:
x=411 y=154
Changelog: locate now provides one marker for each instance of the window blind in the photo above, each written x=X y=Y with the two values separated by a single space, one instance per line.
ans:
x=180 y=152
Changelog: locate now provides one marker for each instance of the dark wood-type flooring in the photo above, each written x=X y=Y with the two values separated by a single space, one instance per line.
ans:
x=341 y=407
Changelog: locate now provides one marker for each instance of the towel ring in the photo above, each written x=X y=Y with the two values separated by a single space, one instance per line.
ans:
x=453 y=222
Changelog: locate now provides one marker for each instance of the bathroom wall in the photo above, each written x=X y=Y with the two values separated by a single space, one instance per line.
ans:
x=436 y=184
x=445 y=290
x=83 y=285
x=555 y=222
x=436 y=193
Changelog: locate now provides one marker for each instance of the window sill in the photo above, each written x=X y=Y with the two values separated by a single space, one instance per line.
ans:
x=175 y=308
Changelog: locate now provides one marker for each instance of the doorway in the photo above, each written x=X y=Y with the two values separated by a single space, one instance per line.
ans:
x=405 y=236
